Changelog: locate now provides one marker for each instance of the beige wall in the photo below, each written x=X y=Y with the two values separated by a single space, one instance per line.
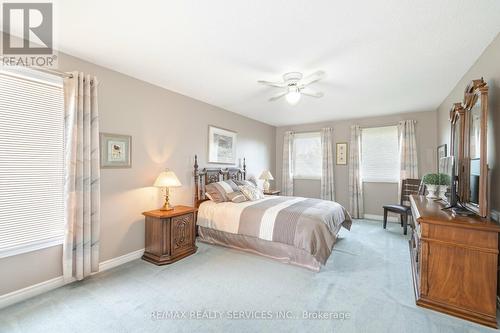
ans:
x=375 y=194
x=488 y=67
x=167 y=130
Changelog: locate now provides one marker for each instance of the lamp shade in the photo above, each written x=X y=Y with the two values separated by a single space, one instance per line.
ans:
x=266 y=175
x=167 y=179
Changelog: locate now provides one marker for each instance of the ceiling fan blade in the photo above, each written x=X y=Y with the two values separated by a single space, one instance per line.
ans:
x=314 y=77
x=276 y=97
x=273 y=84
x=311 y=93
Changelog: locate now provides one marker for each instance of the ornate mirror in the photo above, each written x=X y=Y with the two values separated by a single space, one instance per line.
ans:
x=457 y=119
x=475 y=159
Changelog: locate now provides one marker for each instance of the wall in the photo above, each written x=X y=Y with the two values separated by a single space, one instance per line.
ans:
x=167 y=130
x=488 y=67
x=375 y=194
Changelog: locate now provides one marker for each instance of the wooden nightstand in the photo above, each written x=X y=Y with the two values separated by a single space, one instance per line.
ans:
x=272 y=192
x=170 y=235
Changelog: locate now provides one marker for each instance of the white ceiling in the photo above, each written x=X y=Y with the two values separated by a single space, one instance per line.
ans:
x=381 y=57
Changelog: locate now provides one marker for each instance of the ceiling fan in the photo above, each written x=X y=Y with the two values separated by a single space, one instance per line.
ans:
x=295 y=85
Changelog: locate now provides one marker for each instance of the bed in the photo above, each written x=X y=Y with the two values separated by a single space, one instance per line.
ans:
x=295 y=230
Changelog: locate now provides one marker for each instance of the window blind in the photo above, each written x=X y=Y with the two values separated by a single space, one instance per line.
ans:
x=307 y=156
x=31 y=162
x=380 y=154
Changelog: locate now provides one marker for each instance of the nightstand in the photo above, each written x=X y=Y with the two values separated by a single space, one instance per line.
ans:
x=170 y=235
x=272 y=192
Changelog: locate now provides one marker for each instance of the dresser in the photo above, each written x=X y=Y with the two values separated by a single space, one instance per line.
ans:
x=454 y=262
x=170 y=235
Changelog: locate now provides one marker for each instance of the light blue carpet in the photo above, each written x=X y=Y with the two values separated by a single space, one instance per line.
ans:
x=367 y=278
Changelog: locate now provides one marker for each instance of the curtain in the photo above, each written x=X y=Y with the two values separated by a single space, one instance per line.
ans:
x=287 y=169
x=82 y=182
x=355 y=183
x=327 y=175
x=407 y=150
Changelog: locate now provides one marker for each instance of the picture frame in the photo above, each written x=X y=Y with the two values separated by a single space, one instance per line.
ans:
x=116 y=151
x=442 y=151
x=221 y=145
x=341 y=153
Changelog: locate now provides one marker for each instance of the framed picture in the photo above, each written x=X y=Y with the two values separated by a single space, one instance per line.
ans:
x=116 y=151
x=441 y=152
x=221 y=145
x=342 y=153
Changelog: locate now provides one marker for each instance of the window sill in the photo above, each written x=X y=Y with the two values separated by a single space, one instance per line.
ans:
x=30 y=247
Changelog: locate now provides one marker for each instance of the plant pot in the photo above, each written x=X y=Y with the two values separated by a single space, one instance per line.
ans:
x=442 y=191
x=431 y=191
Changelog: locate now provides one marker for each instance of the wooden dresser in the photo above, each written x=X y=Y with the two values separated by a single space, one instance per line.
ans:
x=170 y=235
x=454 y=262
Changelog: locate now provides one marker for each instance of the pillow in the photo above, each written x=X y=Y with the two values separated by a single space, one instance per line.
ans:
x=237 y=197
x=251 y=192
x=217 y=192
x=245 y=182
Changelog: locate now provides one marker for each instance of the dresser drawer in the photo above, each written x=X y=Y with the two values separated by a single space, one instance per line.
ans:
x=182 y=230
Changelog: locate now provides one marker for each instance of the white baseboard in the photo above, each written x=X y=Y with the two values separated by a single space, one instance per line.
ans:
x=42 y=287
x=381 y=218
x=114 y=262
x=31 y=291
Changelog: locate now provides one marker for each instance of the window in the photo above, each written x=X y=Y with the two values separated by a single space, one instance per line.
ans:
x=380 y=154
x=307 y=156
x=31 y=161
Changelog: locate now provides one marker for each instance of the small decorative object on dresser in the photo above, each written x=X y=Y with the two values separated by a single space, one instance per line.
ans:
x=266 y=176
x=272 y=192
x=170 y=235
x=165 y=180
x=431 y=181
x=115 y=151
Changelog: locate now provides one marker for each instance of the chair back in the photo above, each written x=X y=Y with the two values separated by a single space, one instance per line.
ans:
x=409 y=187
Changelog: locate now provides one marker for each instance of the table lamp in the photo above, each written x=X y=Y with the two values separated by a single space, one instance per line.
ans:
x=266 y=175
x=167 y=179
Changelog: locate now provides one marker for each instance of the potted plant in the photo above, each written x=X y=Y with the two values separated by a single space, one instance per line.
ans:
x=444 y=183
x=431 y=181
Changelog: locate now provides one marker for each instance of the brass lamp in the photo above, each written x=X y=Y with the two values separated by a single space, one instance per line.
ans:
x=267 y=176
x=167 y=179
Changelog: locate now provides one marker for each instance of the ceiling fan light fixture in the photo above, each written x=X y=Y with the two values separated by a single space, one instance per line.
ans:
x=293 y=96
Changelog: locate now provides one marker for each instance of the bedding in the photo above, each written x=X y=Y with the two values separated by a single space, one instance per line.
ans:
x=218 y=192
x=251 y=192
x=302 y=227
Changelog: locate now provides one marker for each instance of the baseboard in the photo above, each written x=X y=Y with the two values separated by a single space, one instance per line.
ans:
x=31 y=291
x=114 y=262
x=381 y=218
x=42 y=287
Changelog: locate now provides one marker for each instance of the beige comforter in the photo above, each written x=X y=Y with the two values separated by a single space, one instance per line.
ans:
x=307 y=224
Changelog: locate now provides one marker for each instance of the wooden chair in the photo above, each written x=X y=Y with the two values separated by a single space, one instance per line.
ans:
x=408 y=187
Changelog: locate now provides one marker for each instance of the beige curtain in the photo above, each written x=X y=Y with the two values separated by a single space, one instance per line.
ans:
x=287 y=167
x=407 y=150
x=82 y=183
x=327 y=173
x=355 y=183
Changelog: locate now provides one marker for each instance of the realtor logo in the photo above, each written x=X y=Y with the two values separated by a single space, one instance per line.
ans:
x=32 y=21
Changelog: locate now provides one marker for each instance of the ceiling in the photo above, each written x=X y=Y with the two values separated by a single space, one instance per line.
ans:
x=381 y=57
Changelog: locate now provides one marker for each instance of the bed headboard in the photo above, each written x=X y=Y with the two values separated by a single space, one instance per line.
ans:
x=212 y=175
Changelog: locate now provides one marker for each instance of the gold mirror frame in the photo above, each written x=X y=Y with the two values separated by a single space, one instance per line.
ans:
x=457 y=119
x=476 y=90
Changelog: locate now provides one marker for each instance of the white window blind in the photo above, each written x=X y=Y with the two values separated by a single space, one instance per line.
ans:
x=380 y=154
x=31 y=161
x=307 y=156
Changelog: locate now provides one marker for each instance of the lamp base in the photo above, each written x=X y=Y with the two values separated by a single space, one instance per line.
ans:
x=266 y=185
x=167 y=206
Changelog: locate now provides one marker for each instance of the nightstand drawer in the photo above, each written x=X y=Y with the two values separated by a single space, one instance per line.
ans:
x=182 y=229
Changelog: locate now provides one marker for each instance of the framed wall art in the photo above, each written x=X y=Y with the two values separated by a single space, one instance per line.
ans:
x=221 y=145
x=116 y=151
x=342 y=153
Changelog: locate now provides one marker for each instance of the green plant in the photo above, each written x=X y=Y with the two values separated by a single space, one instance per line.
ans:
x=431 y=179
x=444 y=179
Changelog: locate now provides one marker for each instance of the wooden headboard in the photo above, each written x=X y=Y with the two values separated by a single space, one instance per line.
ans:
x=212 y=175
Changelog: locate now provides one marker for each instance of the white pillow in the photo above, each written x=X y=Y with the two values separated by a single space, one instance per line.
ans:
x=252 y=193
